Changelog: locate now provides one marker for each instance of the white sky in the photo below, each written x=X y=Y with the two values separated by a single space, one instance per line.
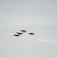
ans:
x=15 y=12
x=39 y=16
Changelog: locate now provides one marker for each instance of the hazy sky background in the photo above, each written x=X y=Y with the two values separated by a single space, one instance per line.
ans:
x=38 y=16
x=28 y=12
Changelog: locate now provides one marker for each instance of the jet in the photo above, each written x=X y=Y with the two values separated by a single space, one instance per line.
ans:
x=23 y=30
x=31 y=33
x=16 y=35
x=19 y=33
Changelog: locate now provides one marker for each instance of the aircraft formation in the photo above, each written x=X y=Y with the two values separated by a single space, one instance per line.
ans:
x=21 y=33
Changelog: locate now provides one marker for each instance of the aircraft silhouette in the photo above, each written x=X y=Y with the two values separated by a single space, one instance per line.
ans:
x=31 y=33
x=19 y=33
x=16 y=35
x=23 y=30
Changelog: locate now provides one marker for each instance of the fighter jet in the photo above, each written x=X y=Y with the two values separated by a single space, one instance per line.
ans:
x=16 y=35
x=23 y=30
x=31 y=33
x=19 y=33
